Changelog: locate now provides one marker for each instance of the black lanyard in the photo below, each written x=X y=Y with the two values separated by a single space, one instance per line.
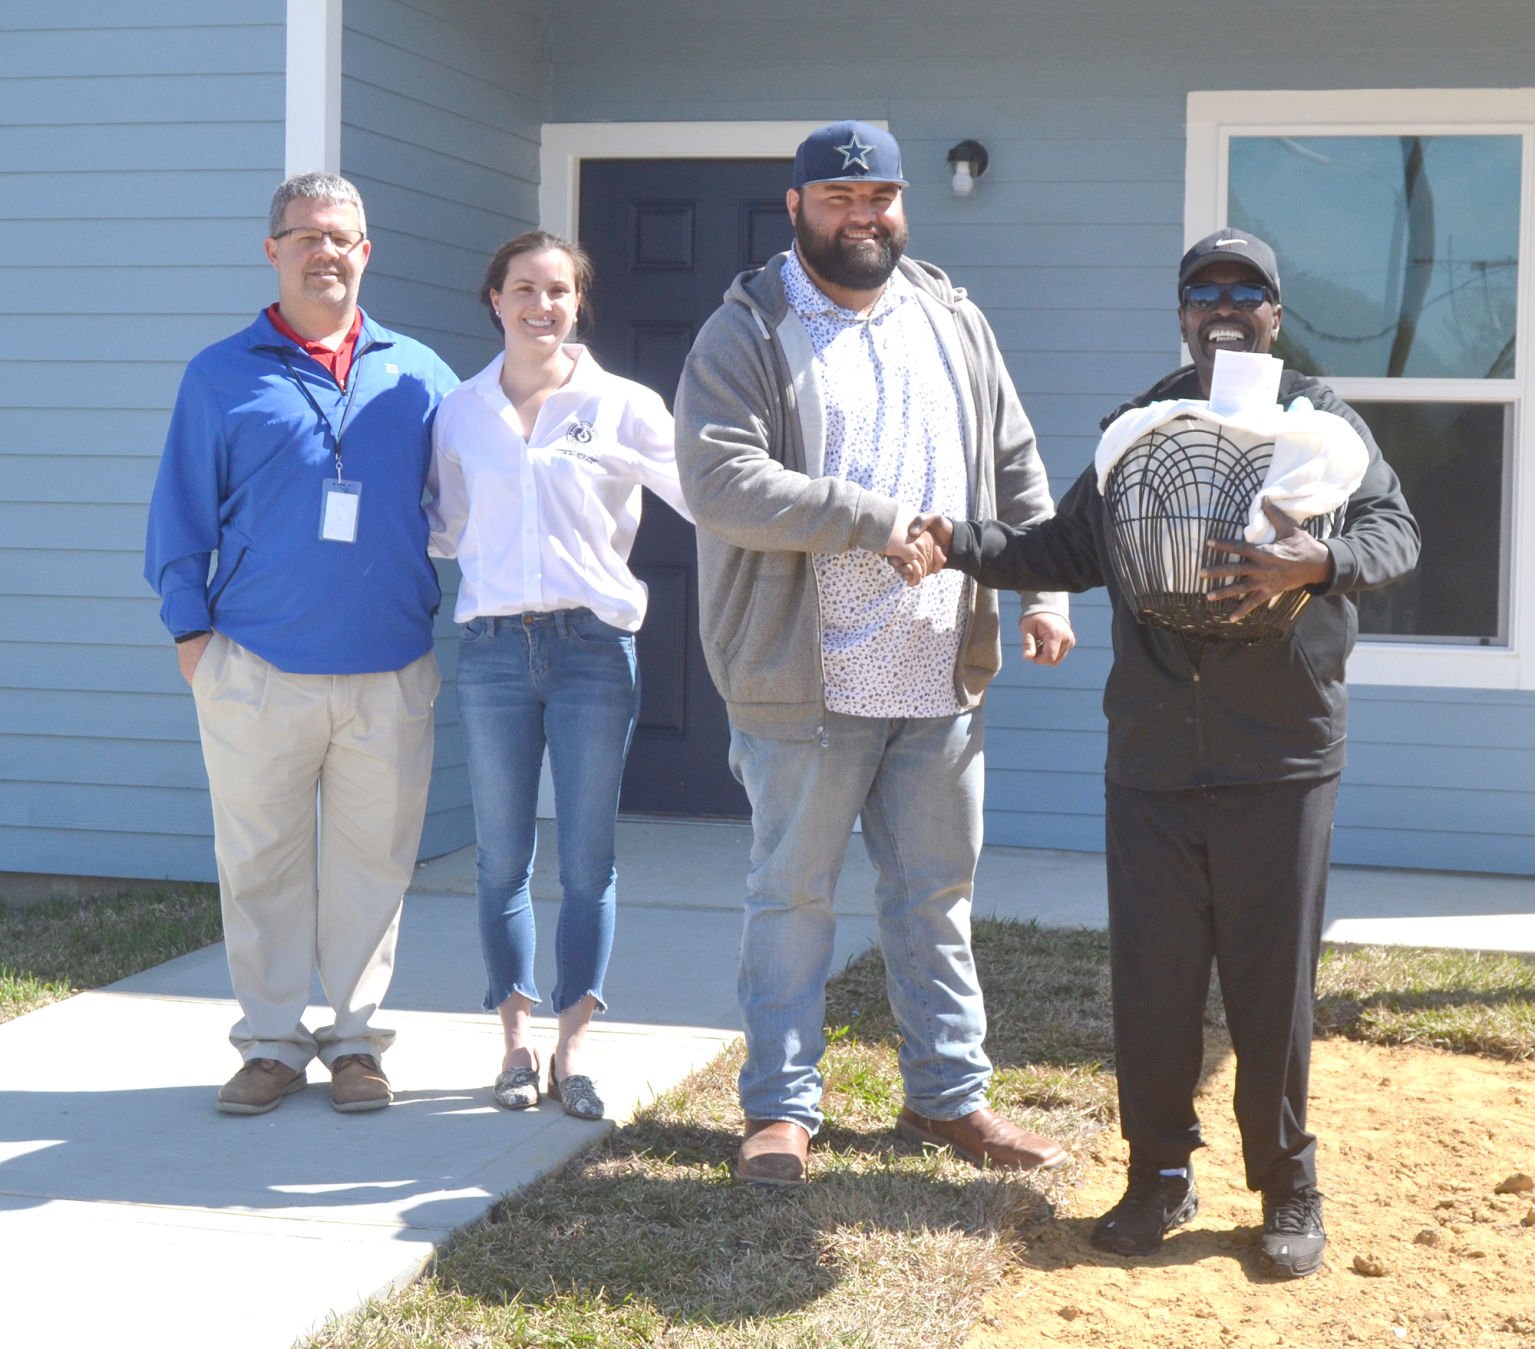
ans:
x=346 y=411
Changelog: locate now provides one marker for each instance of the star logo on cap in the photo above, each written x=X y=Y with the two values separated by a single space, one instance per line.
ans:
x=855 y=152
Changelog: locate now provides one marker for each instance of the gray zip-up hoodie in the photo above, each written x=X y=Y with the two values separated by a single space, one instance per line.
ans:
x=751 y=452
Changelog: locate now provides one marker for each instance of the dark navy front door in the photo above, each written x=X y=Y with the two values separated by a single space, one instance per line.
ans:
x=666 y=237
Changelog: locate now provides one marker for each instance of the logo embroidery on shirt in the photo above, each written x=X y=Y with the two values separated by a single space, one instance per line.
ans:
x=579 y=433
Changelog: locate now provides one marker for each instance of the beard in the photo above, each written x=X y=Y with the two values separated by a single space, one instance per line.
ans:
x=861 y=265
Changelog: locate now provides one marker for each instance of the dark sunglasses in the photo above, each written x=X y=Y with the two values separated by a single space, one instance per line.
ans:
x=1241 y=294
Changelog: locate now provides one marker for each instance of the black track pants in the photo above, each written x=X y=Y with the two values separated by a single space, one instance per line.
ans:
x=1237 y=875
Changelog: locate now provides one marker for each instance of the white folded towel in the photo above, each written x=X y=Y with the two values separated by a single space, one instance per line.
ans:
x=1318 y=462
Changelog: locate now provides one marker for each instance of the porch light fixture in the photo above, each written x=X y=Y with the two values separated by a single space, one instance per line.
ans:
x=968 y=160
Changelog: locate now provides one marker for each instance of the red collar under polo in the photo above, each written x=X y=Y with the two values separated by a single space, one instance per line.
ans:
x=339 y=361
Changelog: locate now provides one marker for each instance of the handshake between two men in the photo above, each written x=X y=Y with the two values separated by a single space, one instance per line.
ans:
x=922 y=548
x=1253 y=574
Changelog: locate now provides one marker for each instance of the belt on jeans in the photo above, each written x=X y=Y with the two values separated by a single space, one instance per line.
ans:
x=559 y=617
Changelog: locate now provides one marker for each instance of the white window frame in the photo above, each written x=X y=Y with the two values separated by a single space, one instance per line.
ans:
x=1214 y=117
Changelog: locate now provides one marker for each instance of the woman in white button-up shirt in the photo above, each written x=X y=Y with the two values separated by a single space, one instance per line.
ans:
x=537 y=467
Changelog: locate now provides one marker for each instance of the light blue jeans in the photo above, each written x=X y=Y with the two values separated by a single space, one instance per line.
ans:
x=916 y=784
x=569 y=680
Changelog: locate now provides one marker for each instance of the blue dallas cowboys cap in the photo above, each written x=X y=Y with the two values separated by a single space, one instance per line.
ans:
x=848 y=152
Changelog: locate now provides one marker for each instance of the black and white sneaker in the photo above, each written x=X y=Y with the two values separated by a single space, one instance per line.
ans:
x=1152 y=1206
x=1293 y=1239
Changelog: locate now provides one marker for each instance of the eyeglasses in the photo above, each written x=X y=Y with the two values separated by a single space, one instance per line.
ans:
x=1240 y=295
x=343 y=241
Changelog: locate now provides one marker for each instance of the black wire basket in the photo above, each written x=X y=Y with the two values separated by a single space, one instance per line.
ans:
x=1173 y=491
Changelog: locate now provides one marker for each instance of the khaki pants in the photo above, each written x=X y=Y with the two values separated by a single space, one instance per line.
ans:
x=319 y=787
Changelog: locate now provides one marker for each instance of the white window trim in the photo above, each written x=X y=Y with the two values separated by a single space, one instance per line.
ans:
x=312 y=111
x=1213 y=117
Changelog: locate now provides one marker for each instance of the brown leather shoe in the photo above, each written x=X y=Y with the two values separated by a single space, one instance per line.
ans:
x=773 y=1153
x=259 y=1087
x=357 y=1083
x=983 y=1138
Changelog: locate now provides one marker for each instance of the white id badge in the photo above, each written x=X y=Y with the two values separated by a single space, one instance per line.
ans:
x=338 y=510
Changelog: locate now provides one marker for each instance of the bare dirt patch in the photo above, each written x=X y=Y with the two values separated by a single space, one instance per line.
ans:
x=1422 y=1248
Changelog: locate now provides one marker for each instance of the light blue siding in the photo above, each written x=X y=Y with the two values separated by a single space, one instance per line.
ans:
x=1439 y=774
x=141 y=144
x=1069 y=244
x=440 y=130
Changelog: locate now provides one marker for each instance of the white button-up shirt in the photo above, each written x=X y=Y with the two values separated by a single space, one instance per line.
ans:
x=895 y=425
x=546 y=522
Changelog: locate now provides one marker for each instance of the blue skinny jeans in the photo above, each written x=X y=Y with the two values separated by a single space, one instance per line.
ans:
x=568 y=680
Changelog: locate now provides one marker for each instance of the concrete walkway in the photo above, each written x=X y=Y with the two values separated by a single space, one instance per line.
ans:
x=133 y=1213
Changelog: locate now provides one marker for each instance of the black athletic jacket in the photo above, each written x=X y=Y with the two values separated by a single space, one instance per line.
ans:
x=1184 y=713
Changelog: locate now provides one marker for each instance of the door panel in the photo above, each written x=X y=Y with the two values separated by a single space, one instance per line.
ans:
x=666 y=237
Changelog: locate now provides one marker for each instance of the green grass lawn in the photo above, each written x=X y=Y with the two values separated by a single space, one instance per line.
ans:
x=1470 y=1002
x=645 y=1240
x=56 y=948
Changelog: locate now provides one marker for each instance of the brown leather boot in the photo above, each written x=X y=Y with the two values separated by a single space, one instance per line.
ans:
x=773 y=1152
x=983 y=1138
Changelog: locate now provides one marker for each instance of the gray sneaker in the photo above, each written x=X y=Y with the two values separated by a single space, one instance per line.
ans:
x=1293 y=1238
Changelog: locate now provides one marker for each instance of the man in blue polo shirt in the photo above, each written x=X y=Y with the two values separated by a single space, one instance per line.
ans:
x=288 y=545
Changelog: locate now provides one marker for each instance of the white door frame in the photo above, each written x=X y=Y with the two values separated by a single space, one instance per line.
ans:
x=566 y=144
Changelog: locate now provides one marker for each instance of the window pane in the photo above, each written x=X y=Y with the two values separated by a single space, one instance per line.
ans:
x=1397 y=254
x=1452 y=459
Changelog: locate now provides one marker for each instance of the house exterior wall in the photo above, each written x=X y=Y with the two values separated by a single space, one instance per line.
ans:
x=1069 y=244
x=140 y=146
x=441 y=109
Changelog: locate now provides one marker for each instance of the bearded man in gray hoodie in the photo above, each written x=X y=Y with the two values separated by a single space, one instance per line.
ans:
x=839 y=393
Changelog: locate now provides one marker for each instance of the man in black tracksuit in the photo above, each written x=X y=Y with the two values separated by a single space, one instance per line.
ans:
x=1222 y=773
